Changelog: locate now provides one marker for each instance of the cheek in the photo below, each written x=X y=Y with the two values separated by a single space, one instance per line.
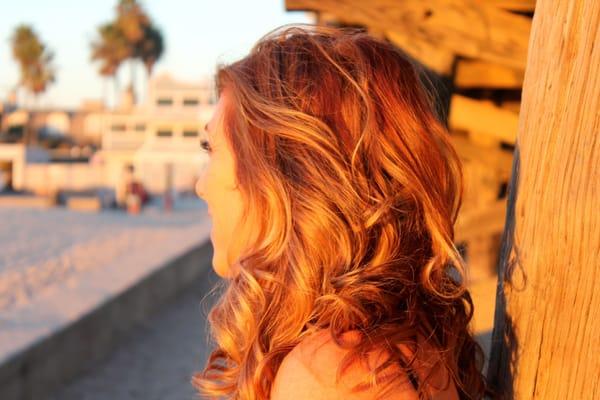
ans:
x=226 y=218
x=225 y=205
x=224 y=236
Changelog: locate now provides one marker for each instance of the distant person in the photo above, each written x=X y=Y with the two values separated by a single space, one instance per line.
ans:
x=135 y=195
x=333 y=191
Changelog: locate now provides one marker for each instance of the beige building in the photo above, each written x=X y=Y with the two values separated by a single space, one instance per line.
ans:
x=15 y=158
x=159 y=138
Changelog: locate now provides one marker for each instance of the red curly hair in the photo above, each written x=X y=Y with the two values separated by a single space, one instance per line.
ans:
x=353 y=188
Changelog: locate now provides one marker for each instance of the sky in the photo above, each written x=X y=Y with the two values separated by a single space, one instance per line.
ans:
x=198 y=34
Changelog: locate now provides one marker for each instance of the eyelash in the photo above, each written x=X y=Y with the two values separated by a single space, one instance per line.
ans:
x=205 y=145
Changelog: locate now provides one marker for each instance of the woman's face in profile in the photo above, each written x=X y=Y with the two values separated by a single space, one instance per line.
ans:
x=218 y=187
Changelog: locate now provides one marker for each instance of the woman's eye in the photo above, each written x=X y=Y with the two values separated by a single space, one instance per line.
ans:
x=205 y=145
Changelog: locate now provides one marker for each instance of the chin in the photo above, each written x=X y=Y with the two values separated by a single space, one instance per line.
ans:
x=220 y=266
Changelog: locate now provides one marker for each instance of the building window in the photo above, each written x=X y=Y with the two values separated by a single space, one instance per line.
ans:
x=164 y=133
x=164 y=101
x=140 y=127
x=190 y=102
x=190 y=133
x=118 y=127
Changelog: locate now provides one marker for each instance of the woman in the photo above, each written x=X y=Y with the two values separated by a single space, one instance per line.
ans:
x=333 y=190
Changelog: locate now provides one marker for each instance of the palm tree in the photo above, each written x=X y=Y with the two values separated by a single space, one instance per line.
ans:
x=151 y=48
x=35 y=65
x=40 y=75
x=25 y=44
x=110 y=49
x=34 y=59
x=131 y=36
x=132 y=19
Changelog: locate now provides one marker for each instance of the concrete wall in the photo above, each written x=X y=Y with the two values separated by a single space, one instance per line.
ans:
x=49 y=358
x=47 y=178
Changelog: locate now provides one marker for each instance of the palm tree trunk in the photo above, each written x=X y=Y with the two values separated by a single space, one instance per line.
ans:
x=34 y=133
x=133 y=82
x=105 y=91
x=116 y=91
x=144 y=90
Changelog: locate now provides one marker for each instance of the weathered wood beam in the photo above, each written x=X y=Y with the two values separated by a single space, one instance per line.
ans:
x=494 y=159
x=478 y=222
x=482 y=74
x=512 y=5
x=547 y=331
x=465 y=27
x=511 y=105
x=482 y=119
x=326 y=18
x=435 y=58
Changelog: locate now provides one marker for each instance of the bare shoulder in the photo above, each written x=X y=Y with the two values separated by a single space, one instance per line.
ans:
x=309 y=371
x=298 y=376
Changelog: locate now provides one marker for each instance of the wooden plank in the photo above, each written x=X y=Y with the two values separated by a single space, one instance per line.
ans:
x=493 y=158
x=326 y=19
x=482 y=74
x=547 y=331
x=482 y=258
x=511 y=105
x=478 y=222
x=468 y=28
x=433 y=57
x=512 y=5
x=482 y=186
x=482 y=119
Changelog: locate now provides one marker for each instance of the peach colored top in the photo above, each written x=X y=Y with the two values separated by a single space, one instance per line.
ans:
x=309 y=372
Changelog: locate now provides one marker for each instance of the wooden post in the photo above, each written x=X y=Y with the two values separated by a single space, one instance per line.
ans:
x=547 y=324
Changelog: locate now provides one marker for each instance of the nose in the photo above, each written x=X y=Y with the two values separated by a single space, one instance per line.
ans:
x=200 y=187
